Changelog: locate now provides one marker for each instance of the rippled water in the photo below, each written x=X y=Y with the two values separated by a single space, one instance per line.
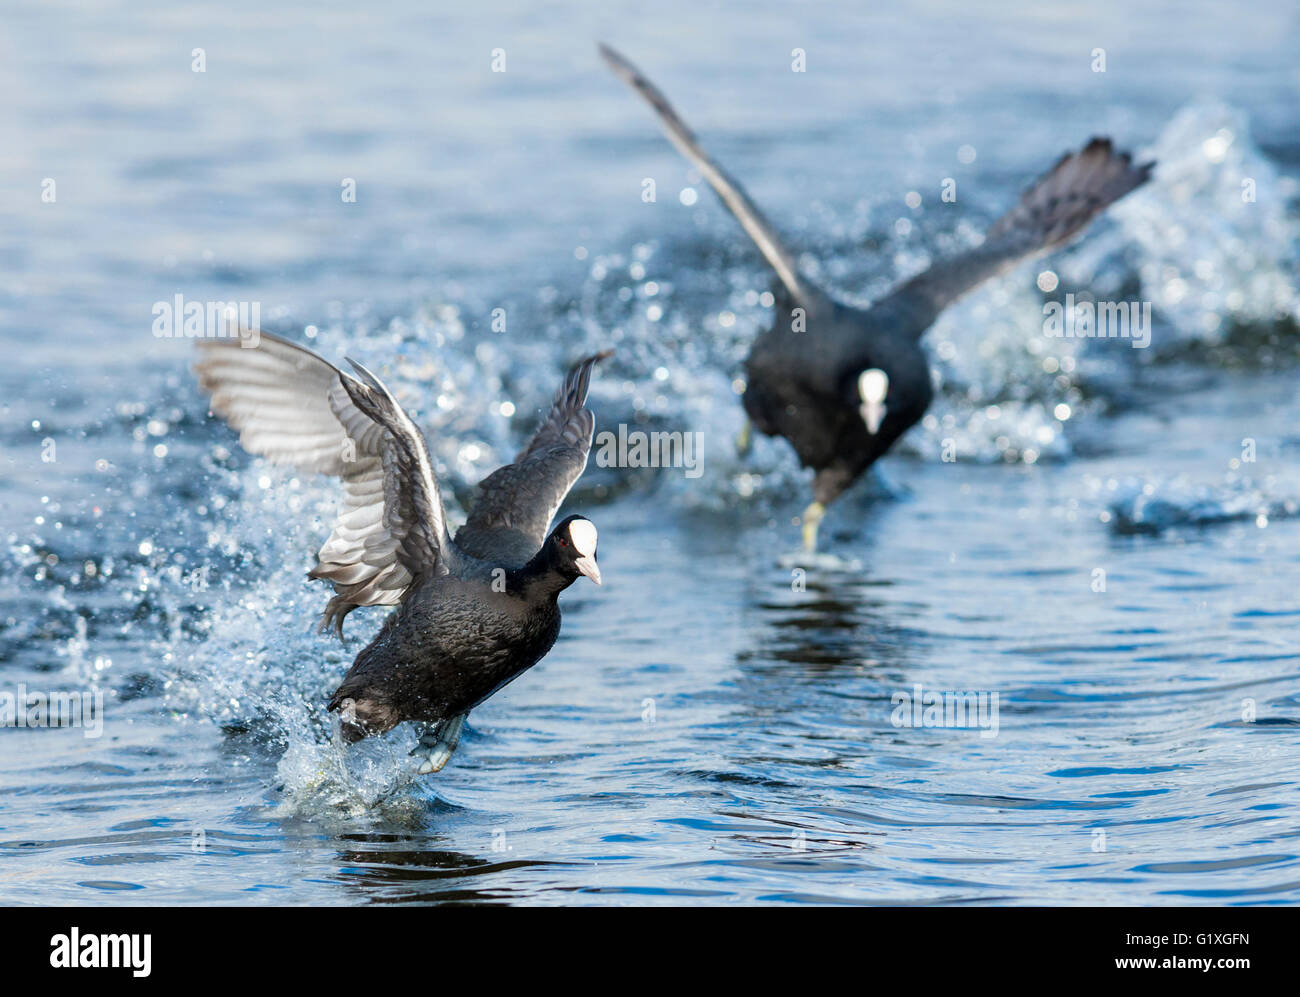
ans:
x=1114 y=552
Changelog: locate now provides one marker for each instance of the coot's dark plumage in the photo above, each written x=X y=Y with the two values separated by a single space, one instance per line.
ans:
x=472 y=613
x=842 y=383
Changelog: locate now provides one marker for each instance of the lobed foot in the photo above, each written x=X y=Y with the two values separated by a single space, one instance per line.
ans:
x=438 y=744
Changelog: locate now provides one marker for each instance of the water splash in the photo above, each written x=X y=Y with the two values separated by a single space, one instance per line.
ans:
x=1220 y=246
x=1141 y=505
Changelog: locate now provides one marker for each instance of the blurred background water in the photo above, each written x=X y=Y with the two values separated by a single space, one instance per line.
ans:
x=711 y=727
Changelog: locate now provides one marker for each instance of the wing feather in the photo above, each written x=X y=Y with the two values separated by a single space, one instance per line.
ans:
x=517 y=502
x=296 y=409
x=1052 y=211
x=726 y=186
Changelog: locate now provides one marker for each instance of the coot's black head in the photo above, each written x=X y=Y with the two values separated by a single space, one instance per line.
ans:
x=571 y=548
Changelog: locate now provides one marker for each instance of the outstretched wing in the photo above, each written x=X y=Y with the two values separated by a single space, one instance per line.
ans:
x=294 y=408
x=1057 y=207
x=517 y=502
x=726 y=186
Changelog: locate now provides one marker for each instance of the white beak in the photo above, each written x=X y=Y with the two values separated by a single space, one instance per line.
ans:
x=587 y=565
x=873 y=414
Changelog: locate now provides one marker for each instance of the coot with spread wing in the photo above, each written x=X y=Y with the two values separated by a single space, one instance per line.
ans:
x=471 y=613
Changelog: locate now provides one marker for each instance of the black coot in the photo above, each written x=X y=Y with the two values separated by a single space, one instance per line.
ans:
x=842 y=383
x=472 y=613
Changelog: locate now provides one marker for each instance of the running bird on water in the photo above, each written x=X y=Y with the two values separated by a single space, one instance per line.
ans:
x=843 y=383
x=471 y=613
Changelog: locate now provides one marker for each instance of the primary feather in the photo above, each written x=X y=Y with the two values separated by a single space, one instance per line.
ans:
x=296 y=409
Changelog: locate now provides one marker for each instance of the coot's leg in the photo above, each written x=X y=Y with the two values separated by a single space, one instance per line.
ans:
x=812 y=518
x=745 y=441
x=438 y=742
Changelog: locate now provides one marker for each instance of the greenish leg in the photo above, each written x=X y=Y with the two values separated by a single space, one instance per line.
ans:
x=812 y=518
x=745 y=441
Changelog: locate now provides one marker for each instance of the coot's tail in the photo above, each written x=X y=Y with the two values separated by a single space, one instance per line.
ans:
x=360 y=715
x=1057 y=207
